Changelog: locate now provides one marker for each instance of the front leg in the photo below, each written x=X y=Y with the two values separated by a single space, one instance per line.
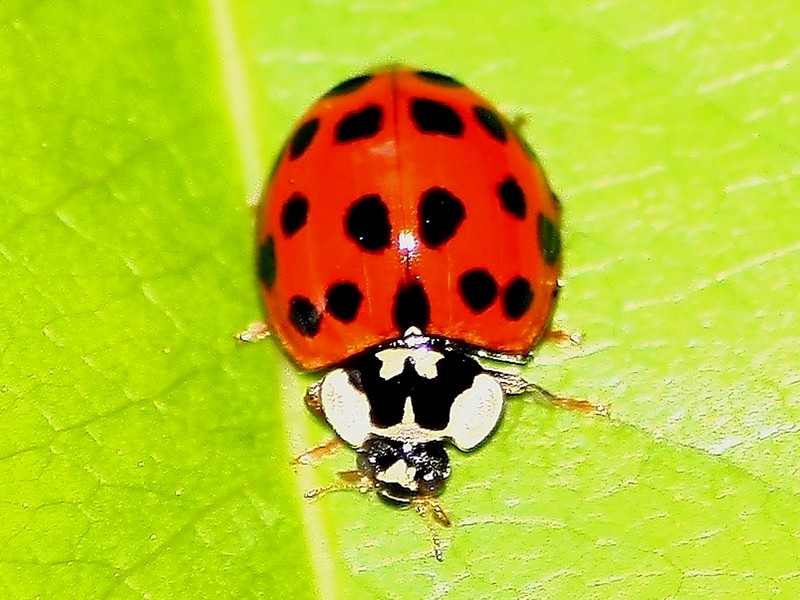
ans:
x=316 y=454
x=332 y=446
x=314 y=399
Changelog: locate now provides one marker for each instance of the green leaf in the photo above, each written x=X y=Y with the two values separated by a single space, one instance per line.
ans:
x=144 y=453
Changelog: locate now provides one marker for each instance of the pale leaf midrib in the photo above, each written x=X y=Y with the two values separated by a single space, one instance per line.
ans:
x=236 y=87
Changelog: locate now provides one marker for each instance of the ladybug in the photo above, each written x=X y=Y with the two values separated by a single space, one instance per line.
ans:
x=406 y=232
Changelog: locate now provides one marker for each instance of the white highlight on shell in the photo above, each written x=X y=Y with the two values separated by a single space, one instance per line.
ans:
x=407 y=243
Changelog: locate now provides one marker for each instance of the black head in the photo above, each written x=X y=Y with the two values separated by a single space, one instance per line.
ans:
x=402 y=471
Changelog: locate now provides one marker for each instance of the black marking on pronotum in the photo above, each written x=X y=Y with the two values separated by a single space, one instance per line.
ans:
x=349 y=85
x=491 y=122
x=366 y=222
x=266 y=262
x=549 y=239
x=439 y=214
x=302 y=138
x=478 y=289
x=517 y=298
x=512 y=198
x=342 y=301
x=359 y=125
x=439 y=79
x=411 y=307
x=434 y=117
x=431 y=399
x=304 y=316
x=294 y=214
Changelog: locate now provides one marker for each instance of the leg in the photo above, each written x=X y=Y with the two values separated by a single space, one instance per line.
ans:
x=255 y=332
x=426 y=507
x=561 y=336
x=579 y=404
x=513 y=384
x=349 y=480
x=430 y=508
x=314 y=455
x=433 y=514
x=313 y=400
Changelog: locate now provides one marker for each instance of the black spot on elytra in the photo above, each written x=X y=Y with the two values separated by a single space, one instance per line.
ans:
x=302 y=138
x=411 y=307
x=432 y=116
x=491 y=122
x=266 y=262
x=294 y=214
x=304 y=316
x=549 y=239
x=367 y=223
x=478 y=289
x=431 y=399
x=512 y=198
x=517 y=298
x=342 y=301
x=439 y=214
x=349 y=85
x=439 y=79
x=358 y=125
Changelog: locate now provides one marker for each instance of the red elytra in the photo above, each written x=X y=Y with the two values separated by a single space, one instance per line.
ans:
x=403 y=199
